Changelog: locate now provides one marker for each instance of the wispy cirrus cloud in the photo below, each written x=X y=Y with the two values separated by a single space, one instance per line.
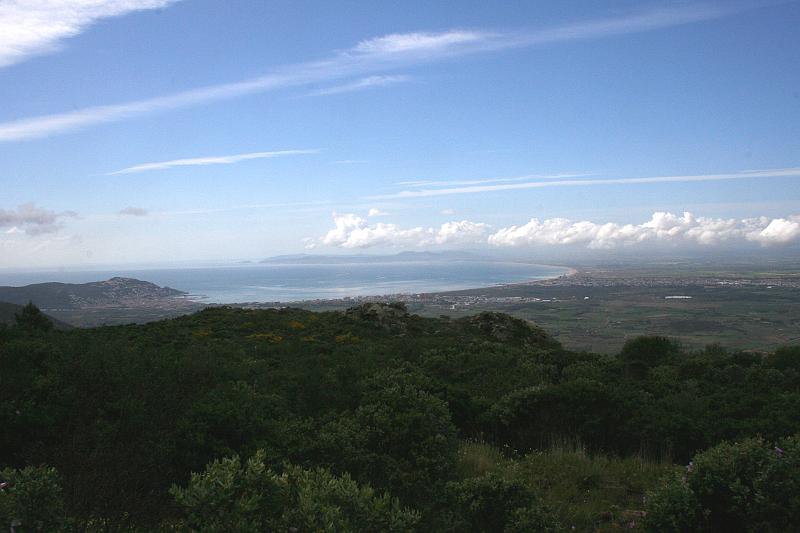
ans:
x=362 y=84
x=529 y=177
x=348 y=161
x=420 y=42
x=474 y=189
x=369 y=57
x=208 y=160
x=34 y=27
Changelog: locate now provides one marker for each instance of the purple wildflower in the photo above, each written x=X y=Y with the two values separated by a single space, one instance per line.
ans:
x=779 y=452
x=3 y=485
x=690 y=466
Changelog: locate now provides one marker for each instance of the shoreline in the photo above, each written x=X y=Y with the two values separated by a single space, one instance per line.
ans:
x=569 y=272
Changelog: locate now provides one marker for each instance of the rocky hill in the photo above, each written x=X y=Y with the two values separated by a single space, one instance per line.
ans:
x=115 y=292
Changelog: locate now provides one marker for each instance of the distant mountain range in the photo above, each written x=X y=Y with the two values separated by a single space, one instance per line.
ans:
x=311 y=259
x=115 y=292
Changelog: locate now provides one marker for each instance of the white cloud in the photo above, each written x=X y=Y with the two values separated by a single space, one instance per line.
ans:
x=209 y=160
x=419 y=42
x=473 y=189
x=661 y=228
x=352 y=231
x=348 y=161
x=529 y=177
x=375 y=212
x=133 y=211
x=463 y=232
x=361 y=84
x=33 y=27
x=447 y=212
x=778 y=231
x=369 y=57
x=32 y=220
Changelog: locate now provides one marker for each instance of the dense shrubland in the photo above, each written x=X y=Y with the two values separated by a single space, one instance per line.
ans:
x=376 y=420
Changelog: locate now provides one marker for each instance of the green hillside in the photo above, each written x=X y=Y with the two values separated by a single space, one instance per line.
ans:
x=374 y=419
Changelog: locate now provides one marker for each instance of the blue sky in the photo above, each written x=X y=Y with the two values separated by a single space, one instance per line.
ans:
x=161 y=131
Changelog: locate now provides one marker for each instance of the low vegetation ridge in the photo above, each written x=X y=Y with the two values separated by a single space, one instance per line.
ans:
x=9 y=313
x=375 y=419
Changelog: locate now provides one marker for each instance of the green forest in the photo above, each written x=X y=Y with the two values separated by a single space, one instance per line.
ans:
x=374 y=419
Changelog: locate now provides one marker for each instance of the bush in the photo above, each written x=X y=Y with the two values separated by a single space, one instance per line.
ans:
x=31 y=318
x=492 y=504
x=230 y=496
x=673 y=507
x=320 y=501
x=744 y=486
x=407 y=441
x=641 y=354
x=786 y=357
x=31 y=499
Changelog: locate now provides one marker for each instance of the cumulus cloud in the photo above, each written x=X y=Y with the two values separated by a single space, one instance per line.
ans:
x=375 y=212
x=133 y=211
x=352 y=231
x=661 y=228
x=33 y=27
x=778 y=231
x=32 y=220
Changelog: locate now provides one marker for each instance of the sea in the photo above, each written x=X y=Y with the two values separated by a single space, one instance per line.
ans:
x=295 y=282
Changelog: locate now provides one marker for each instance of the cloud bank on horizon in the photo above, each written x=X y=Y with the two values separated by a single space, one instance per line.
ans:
x=352 y=231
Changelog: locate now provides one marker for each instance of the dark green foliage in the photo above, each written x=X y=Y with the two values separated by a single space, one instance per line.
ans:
x=399 y=439
x=786 y=358
x=30 y=318
x=745 y=486
x=641 y=354
x=229 y=496
x=31 y=500
x=249 y=497
x=409 y=442
x=490 y=503
x=375 y=394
